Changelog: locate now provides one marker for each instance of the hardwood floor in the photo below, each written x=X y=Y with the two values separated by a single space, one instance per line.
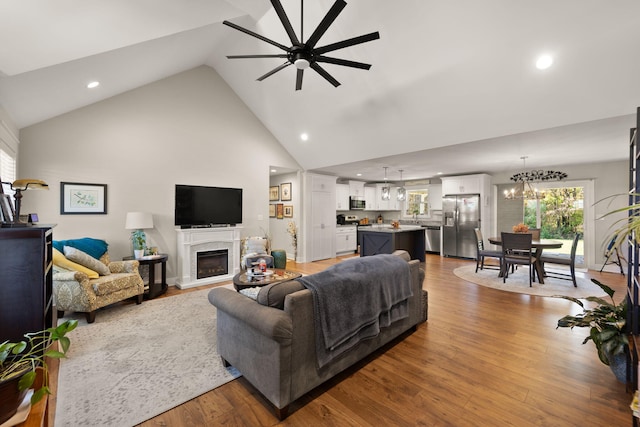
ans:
x=484 y=357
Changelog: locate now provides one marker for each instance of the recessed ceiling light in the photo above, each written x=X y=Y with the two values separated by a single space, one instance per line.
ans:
x=544 y=62
x=304 y=136
x=93 y=84
x=274 y=170
x=358 y=174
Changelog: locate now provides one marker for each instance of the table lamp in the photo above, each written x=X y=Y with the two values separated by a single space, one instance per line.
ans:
x=138 y=221
x=18 y=186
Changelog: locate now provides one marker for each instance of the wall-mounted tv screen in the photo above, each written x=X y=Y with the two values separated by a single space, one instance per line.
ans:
x=201 y=206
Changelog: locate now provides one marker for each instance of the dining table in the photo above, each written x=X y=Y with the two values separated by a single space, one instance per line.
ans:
x=539 y=245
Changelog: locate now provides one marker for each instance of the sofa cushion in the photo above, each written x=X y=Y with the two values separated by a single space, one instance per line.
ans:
x=94 y=247
x=61 y=261
x=105 y=285
x=273 y=295
x=82 y=258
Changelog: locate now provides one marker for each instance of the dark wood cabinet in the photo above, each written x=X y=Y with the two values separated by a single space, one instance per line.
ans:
x=633 y=267
x=25 y=281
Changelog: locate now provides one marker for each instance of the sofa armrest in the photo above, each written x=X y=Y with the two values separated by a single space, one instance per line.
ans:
x=270 y=322
x=74 y=279
x=130 y=266
x=76 y=276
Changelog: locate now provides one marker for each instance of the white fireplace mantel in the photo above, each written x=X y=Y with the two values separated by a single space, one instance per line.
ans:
x=194 y=240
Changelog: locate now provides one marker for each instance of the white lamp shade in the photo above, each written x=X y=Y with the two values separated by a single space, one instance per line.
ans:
x=138 y=220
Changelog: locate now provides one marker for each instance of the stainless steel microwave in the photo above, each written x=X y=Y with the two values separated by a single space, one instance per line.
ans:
x=356 y=203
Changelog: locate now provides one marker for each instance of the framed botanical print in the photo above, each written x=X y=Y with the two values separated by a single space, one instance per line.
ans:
x=288 y=211
x=279 y=210
x=77 y=198
x=272 y=210
x=285 y=190
x=274 y=193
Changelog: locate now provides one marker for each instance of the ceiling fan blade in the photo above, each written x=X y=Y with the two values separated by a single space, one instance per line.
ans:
x=324 y=74
x=256 y=35
x=275 y=70
x=346 y=43
x=285 y=22
x=344 y=62
x=326 y=22
x=299 y=75
x=279 y=55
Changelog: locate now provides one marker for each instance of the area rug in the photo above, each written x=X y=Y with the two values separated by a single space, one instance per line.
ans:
x=519 y=282
x=137 y=361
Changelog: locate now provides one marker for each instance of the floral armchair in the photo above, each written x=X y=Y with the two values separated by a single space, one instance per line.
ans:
x=78 y=289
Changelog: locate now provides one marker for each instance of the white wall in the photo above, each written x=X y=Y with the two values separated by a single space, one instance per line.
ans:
x=189 y=128
x=610 y=178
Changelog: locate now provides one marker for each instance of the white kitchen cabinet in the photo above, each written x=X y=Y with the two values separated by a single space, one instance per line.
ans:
x=465 y=184
x=346 y=239
x=318 y=235
x=356 y=188
x=370 y=198
x=435 y=197
x=342 y=197
x=386 y=205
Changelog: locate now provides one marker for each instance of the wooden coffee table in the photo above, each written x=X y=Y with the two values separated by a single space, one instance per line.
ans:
x=242 y=281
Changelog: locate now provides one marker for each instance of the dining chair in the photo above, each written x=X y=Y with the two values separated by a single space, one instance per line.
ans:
x=517 y=250
x=482 y=253
x=611 y=250
x=561 y=259
x=535 y=233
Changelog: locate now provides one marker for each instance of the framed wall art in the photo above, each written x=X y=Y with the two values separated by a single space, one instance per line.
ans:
x=274 y=193
x=6 y=208
x=272 y=210
x=279 y=210
x=288 y=211
x=285 y=192
x=77 y=198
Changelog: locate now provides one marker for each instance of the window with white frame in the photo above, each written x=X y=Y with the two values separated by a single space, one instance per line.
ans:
x=416 y=205
x=7 y=169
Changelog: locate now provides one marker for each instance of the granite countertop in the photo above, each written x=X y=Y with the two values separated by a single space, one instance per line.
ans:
x=386 y=228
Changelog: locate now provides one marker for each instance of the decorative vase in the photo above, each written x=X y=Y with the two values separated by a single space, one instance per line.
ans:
x=279 y=258
x=618 y=365
x=10 y=397
x=138 y=253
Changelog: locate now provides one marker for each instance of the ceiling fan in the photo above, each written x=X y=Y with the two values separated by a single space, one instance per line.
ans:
x=305 y=54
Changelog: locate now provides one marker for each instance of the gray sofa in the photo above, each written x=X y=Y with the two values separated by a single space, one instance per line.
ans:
x=271 y=340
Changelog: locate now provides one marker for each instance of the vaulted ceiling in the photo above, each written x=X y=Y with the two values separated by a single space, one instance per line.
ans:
x=453 y=86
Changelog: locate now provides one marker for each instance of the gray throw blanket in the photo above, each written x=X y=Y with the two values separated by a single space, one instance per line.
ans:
x=354 y=299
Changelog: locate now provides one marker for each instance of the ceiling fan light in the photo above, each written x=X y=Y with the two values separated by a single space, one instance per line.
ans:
x=301 y=64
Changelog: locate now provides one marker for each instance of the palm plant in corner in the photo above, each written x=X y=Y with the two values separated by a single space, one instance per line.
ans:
x=608 y=328
x=18 y=363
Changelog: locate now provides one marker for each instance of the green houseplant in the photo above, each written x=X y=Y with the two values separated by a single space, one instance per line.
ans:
x=19 y=360
x=608 y=326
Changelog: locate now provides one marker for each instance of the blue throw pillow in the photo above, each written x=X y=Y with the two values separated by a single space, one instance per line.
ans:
x=93 y=247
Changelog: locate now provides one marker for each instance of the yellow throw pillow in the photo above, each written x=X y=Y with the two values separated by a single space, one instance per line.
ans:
x=61 y=261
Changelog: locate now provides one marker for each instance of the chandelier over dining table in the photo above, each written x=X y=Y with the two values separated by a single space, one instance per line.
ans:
x=526 y=179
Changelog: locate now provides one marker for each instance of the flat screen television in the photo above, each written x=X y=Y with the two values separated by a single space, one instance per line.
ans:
x=207 y=206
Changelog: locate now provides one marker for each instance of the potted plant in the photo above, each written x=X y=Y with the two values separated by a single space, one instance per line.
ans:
x=18 y=363
x=608 y=328
x=139 y=241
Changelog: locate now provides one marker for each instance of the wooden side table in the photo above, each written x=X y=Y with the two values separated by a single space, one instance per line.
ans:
x=154 y=289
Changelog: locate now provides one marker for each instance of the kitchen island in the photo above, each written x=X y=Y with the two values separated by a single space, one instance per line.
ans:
x=383 y=239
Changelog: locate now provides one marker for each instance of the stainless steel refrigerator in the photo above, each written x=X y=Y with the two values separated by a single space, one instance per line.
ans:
x=460 y=215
